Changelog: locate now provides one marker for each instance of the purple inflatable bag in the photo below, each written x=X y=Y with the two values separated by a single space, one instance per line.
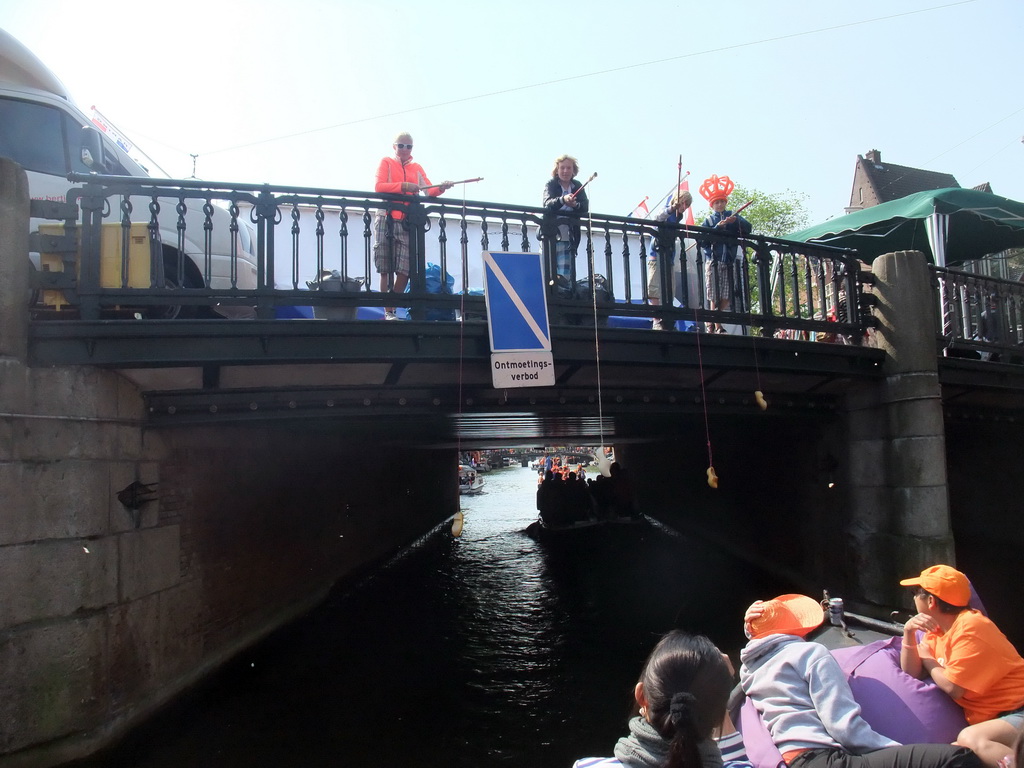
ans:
x=892 y=702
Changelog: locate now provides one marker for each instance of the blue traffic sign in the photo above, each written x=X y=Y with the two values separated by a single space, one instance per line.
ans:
x=517 y=309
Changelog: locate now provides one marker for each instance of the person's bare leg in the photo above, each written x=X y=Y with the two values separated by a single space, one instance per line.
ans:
x=385 y=281
x=990 y=740
x=723 y=305
x=713 y=326
x=401 y=280
x=656 y=324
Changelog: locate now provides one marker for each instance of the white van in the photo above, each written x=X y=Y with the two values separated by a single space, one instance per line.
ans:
x=43 y=131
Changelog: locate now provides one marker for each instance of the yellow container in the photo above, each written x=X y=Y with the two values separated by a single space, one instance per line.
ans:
x=138 y=259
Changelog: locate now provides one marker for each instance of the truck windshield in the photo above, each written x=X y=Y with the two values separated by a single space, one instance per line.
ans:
x=43 y=139
x=31 y=135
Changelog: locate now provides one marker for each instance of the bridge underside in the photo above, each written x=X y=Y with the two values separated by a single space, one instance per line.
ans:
x=432 y=381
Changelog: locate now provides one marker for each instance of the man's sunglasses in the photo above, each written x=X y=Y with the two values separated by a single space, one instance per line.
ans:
x=403 y=146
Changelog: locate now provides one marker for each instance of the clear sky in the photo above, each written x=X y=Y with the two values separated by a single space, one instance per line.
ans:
x=778 y=95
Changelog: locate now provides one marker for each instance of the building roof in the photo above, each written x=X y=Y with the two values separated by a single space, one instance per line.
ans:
x=876 y=182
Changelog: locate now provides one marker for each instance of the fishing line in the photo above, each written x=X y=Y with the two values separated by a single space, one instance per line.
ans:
x=758 y=393
x=744 y=282
x=593 y=301
x=462 y=325
x=712 y=477
x=459 y=519
x=899 y=178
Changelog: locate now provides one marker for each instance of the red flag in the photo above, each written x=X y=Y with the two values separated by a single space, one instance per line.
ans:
x=641 y=211
x=684 y=186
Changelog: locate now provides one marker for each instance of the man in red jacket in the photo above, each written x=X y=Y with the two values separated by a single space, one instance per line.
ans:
x=398 y=175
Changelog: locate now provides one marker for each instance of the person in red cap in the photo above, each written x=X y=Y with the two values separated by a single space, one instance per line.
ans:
x=720 y=255
x=963 y=652
x=805 y=701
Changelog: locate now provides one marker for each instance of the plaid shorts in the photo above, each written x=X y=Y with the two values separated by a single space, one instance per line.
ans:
x=390 y=254
x=563 y=259
x=564 y=255
x=717 y=286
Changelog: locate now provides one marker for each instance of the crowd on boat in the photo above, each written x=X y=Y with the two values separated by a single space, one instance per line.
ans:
x=470 y=482
x=947 y=692
x=567 y=496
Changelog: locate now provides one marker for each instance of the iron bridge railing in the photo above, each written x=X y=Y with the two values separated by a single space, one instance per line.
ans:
x=980 y=317
x=169 y=248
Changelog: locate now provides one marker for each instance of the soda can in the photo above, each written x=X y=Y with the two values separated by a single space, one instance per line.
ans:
x=835 y=611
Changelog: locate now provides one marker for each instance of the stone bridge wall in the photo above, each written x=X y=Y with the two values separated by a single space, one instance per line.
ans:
x=109 y=609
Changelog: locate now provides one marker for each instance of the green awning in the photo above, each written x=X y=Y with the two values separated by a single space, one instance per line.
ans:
x=966 y=224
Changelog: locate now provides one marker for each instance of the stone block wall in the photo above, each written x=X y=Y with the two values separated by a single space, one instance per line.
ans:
x=69 y=440
x=107 y=612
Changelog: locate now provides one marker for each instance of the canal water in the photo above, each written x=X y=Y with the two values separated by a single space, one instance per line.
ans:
x=491 y=649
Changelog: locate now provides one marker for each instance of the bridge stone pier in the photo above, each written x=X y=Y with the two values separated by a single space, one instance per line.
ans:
x=898 y=495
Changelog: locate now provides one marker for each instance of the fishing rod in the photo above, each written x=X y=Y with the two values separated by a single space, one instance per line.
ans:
x=742 y=207
x=592 y=177
x=671 y=192
x=679 y=176
x=463 y=181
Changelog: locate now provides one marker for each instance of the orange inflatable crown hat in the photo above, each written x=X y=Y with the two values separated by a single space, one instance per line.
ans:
x=717 y=188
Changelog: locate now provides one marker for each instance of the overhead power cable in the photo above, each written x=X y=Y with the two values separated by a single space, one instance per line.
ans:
x=598 y=73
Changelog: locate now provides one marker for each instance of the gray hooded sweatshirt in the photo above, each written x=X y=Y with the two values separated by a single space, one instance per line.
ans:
x=803 y=697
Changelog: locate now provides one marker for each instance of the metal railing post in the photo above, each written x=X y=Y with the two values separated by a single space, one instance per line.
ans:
x=267 y=216
x=416 y=221
x=92 y=203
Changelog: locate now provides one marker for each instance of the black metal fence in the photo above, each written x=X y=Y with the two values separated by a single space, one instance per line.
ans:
x=156 y=248
x=980 y=317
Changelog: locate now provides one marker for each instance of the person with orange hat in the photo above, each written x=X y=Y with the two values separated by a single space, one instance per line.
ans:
x=963 y=652
x=806 y=703
x=720 y=260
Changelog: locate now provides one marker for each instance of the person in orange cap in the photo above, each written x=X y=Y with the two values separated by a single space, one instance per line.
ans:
x=963 y=652
x=806 y=703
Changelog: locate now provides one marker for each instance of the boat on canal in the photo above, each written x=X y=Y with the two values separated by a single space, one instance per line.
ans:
x=470 y=482
x=542 y=530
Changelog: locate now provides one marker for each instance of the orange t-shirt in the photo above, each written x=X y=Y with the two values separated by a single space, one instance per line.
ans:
x=976 y=656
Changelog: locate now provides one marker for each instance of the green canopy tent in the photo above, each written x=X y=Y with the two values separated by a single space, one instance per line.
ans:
x=950 y=225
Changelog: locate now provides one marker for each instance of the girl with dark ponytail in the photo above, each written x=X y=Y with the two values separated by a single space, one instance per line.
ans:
x=681 y=699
